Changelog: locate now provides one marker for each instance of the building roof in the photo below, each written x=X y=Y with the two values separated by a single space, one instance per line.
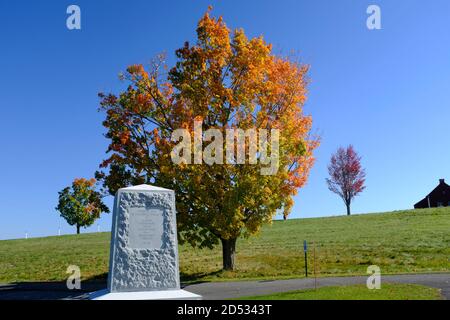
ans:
x=439 y=195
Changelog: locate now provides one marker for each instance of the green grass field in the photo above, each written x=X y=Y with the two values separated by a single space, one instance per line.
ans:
x=358 y=292
x=398 y=242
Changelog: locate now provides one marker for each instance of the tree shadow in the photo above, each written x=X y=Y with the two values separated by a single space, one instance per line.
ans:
x=102 y=277
x=49 y=290
x=56 y=290
x=199 y=277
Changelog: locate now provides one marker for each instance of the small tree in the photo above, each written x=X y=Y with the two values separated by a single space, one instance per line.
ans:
x=80 y=204
x=347 y=177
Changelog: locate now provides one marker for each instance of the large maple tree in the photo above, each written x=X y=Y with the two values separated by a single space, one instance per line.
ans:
x=228 y=81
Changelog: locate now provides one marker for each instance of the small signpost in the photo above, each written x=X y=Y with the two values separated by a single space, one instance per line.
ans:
x=305 y=249
x=314 y=255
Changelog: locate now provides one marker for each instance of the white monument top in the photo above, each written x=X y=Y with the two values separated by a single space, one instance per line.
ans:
x=144 y=187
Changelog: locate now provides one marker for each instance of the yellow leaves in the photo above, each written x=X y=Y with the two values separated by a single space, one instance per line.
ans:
x=136 y=69
x=83 y=182
x=267 y=192
x=222 y=83
x=167 y=89
x=90 y=208
x=142 y=99
x=156 y=136
x=214 y=40
x=124 y=137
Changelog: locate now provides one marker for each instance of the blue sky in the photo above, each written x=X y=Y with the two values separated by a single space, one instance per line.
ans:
x=385 y=91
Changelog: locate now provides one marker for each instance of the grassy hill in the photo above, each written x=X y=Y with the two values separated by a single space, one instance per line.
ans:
x=398 y=242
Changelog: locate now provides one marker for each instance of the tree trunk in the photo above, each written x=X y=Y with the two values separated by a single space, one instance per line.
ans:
x=348 y=208
x=78 y=228
x=228 y=252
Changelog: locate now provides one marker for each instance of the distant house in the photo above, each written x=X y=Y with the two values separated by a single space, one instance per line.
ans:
x=439 y=197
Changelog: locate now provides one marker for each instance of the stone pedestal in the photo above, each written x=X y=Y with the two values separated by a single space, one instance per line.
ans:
x=144 y=249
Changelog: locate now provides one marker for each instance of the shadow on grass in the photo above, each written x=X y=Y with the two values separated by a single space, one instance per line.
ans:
x=199 y=277
x=102 y=277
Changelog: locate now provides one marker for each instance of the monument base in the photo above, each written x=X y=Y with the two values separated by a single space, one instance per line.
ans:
x=144 y=295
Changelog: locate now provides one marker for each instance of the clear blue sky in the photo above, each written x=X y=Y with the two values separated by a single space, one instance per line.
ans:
x=385 y=91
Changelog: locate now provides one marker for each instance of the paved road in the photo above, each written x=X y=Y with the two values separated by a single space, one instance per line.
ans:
x=223 y=290
x=226 y=290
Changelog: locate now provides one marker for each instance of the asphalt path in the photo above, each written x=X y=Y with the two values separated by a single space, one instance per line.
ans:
x=228 y=290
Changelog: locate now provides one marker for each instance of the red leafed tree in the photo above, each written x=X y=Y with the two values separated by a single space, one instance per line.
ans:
x=347 y=176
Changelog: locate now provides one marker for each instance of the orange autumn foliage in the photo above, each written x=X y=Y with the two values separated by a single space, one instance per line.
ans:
x=228 y=81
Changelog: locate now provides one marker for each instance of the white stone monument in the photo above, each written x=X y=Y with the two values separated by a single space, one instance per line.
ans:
x=143 y=260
